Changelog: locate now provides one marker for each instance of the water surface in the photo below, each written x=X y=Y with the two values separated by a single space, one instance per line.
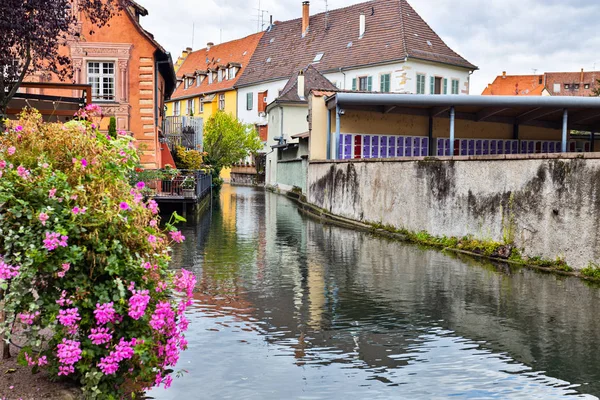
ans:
x=288 y=308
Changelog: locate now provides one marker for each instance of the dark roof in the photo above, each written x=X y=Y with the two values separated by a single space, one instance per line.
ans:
x=312 y=80
x=394 y=31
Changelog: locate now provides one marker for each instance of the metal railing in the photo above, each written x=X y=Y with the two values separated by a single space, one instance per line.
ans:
x=174 y=186
x=184 y=131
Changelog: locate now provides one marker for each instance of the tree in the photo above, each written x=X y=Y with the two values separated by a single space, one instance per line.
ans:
x=596 y=90
x=227 y=141
x=31 y=33
x=112 y=127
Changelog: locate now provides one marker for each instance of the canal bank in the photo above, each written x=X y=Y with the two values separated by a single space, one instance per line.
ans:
x=287 y=307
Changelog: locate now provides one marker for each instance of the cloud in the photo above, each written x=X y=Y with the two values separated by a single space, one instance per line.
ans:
x=517 y=36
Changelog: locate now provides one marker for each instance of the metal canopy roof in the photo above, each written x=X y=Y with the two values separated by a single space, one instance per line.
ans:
x=547 y=112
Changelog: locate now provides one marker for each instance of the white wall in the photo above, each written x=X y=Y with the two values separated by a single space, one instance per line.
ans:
x=251 y=116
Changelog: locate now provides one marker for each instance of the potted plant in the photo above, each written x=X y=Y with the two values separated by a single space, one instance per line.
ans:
x=188 y=187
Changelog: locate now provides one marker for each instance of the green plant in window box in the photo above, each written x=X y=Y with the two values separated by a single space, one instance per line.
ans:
x=188 y=186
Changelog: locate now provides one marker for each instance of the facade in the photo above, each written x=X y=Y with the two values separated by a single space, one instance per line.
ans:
x=377 y=46
x=548 y=84
x=131 y=76
x=206 y=78
x=288 y=121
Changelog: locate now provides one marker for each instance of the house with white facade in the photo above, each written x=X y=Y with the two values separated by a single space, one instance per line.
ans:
x=376 y=46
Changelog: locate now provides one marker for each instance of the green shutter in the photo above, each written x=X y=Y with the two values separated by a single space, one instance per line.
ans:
x=370 y=84
x=445 y=86
x=432 y=84
x=249 y=101
x=354 y=84
x=382 y=84
x=385 y=83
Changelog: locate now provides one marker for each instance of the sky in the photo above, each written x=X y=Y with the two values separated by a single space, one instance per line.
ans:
x=517 y=36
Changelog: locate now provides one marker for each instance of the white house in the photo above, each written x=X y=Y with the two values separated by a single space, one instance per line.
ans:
x=380 y=46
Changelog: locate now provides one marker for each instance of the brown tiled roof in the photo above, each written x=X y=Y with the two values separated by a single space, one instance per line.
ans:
x=394 y=31
x=516 y=85
x=312 y=80
x=237 y=52
x=534 y=85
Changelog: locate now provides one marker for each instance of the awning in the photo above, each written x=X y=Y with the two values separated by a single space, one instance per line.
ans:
x=302 y=135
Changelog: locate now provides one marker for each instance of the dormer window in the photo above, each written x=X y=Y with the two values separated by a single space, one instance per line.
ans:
x=232 y=71
x=318 y=57
x=210 y=78
x=220 y=75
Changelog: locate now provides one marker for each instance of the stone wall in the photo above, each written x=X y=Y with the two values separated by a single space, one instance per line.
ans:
x=549 y=205
x=292 y=173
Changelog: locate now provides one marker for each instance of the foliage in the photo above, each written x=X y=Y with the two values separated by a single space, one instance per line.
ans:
x=227 y=141
x=112 y=128
x=84 y=264
x=32 y=31
x=596 y=90
x=591 y=271
x=188 y=183
x=189 y=159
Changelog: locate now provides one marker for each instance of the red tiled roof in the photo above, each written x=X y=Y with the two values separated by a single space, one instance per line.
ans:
x=394 y=31
x=516 y=85
x=312 y=80
x=237 y=52
x=572 y=79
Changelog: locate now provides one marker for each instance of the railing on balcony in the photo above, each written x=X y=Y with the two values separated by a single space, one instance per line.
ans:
x=173 y=186
x=184 y=131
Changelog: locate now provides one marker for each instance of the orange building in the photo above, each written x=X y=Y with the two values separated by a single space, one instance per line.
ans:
x=131 y=77
x=548 y=84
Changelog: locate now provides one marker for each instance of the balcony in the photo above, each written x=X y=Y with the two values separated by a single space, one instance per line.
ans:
x=184 y=131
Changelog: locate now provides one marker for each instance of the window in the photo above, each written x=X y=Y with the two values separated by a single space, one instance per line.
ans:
x=436 y=85
x=586 y=86
x=101 y=75
x=201 y=106
x=249 y=101
x=385 y=83
x=232 y=72
x=455 y=86
x=210 y=77
x=420 y=84
x=190 y=107
x=220 y=75
x=577 y=86
x=365 y=83
x=222 y=101
x=318 y=57
x=567 y=86
x=445 y=86
x=176 y=109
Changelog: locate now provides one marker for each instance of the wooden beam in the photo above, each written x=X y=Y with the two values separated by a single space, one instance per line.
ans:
x=584 y=116
x=436 y=111
x=536 y=114
x=488 y=112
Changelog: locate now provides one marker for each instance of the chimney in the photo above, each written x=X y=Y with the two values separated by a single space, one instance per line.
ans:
x=581 y=80
x=188 y=49
x=305 y=17
x=209 y=45
x=503 y=74
x=363 y=25
x=301 y=84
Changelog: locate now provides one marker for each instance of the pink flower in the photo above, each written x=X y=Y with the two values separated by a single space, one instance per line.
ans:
x=152 y=239
x=122 y=133
x=43 y=218
x=18 y=128
x=140 y=185
x=52 y=193
x=45 y=165
x=153 y=223
x=100 y=336
x=65 y=268
x=153 y=206
x=68 y=353
x=124 y=206
x=27 y=318
x=138 y=304
x=69 y=317
x=2 y=164
x=185 y=283
x=84 y=162
x=77 y=210
x=104 y=313
x=11 y=150
x=163 y=319
x=8 y=271
x=63 y=301
x=109 y=365
x=32 y=363
x=177 y=236
x=23 y=172
x=74 y=197
x=54 y=240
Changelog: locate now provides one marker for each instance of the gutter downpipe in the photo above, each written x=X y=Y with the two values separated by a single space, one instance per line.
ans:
x=565 y=130
x=452 y=120
x=343 y=73
x=328 y=133
x=337 y=128
x=593 y=140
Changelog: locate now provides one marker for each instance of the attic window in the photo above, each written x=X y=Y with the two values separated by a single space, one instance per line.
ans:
x=577 y=86
x=272 y=40
x=416 y=35
x=349 y=45
x=429 y=43
x=586 y=86
x=244 y=53
x=269 y=59
x=318 y=57
x=567 y=86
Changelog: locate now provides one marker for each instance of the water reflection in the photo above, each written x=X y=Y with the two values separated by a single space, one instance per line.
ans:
x=289 y=308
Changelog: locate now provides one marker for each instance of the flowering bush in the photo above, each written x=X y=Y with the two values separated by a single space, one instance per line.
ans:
x=83 y=261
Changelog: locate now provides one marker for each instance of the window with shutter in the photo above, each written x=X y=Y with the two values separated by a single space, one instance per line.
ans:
x=420 y=84
x=249 y=101
x=354 y=84
x=432 y=85
x=455 y=86
x=445 y=86
x=385 y=83
x=370 y=84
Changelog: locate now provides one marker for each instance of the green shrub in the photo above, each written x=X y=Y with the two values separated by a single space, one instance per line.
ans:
x=82 y=256
x=112 y=128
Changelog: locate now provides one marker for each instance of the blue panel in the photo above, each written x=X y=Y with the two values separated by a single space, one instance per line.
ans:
x=500 y=147
x=515 y=147
x=424 y=147
x=392 y=147
x=485 y=147
x=375 y=147
x=441 y=149
x=478 y=147
x=531 y=147
x=493 y=148
x=551 y=147
x=408 y=147
x=400 y=148
x=383 y=147
x=416 y=147
x=545 y=146
x=366 y=146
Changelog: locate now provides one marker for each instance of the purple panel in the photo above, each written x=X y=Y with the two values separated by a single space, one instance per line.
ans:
x=366 y=146
x=493 y=148
x=523 y=147
x=408 y=147
x=440 y=147
x=551 y=147
x=515 y=146
x=424 y=147
x=485 y=147
x=531 y=147
x=416 y=147
x=500 y=147
x=384 y=147
x=392 y=147
x=508 y=145
x=545 y=146
x=375 y=147
x=400 y=148
x=464 y=147
x=478 y=148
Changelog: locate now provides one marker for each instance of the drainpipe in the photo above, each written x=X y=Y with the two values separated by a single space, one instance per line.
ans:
x=452 y=120
x=328 y=133
x=343 y=73
x=281 y=124
x=337 y=127
x=565 y=130
x=430 y=136
x=593 y=139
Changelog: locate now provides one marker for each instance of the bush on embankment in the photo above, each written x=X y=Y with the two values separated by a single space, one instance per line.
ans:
x=83 y=262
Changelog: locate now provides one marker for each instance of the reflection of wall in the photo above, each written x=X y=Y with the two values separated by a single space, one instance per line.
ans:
x=546 y=202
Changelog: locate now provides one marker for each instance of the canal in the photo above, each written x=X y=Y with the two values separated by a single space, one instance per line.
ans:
x=289 y=308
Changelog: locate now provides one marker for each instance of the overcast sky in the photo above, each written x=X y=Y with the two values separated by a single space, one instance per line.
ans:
x=518 y=36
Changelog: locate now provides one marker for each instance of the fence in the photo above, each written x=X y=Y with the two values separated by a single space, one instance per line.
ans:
x=184 y=131
x=173 y=186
